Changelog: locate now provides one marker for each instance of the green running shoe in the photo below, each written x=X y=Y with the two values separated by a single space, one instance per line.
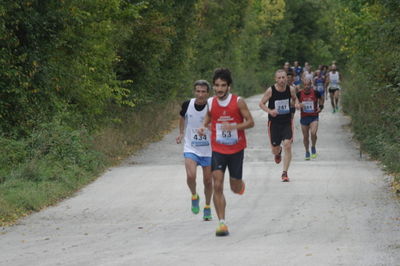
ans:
x=313 y=153
x=195 y=204
x=207 y=214
x=307 y=157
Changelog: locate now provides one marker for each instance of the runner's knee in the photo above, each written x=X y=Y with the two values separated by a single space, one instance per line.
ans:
x=218 y=187
x=287 y=145
x=191 y=176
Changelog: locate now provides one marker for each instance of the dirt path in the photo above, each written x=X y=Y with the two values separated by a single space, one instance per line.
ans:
x=338 y=210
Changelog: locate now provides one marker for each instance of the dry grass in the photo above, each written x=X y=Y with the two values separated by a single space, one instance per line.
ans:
x=136 y=130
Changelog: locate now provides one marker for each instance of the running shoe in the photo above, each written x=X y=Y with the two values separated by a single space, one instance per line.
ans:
x=278 y=157
x=207 y=214
x=195 y=204
x=285 y=177
x=313 y=153
x=337 y=109
x=222 y=230
x=307 y=155
x=334 y=110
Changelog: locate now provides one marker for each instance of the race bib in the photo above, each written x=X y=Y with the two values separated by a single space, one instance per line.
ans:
x=320 y=87
x=308 y=106
x=227 y=137
x=198 y=140
x=282 y=106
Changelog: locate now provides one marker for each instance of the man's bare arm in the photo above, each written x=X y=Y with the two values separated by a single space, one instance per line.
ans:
x=181 y=130
x=267 y=95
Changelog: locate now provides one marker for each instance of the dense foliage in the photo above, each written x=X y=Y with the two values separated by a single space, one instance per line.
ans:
x=90 y=57
x=369 y=36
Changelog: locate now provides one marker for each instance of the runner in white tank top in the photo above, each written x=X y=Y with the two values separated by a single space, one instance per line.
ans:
x=194 y=143
x=334 y=88
x=197 y=148
x=307 y=73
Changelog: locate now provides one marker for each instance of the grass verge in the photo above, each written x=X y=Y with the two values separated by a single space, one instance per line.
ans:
x=55 y=161
x=375 y=113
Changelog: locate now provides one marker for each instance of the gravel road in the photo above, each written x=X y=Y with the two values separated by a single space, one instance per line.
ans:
x=337 y=210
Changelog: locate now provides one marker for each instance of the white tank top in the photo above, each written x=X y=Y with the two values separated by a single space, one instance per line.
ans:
x=308 y=75
x=334 y=80
x=223 y=103
x=194 y=143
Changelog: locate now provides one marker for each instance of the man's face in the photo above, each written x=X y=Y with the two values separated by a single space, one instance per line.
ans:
x=296 y=63
x=221 y=88
x=290 y=79
x=201 y=93
x=286 y=65
x=307 y=85
x=281 y=78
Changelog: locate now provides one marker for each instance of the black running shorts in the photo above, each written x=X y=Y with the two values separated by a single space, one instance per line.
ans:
x=278 y=132
x=233 y=161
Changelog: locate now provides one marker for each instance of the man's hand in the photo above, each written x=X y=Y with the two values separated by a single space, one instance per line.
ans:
x=228 y=127
x=273 y=112
x=179 y=139
x=202 y=131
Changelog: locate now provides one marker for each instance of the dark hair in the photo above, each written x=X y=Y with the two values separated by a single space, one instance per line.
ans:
x=224 y=74
x=202 y=82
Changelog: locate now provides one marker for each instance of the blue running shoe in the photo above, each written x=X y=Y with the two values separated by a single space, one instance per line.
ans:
x=195 y=204
x=207 y=214
x=313 y=153
x=307 y=155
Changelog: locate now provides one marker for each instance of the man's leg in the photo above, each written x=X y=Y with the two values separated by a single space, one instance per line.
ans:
x=306 y=137
x=306 y=140
x=287 y=147
x=276 y=150
x=218 y=195
x=326 y=93
x=208 y=184
x=313 y=131
x=218 y=171
x=235 y=166
x=207 y=181
x=332 y=96
x=337 y=94
x=191 y=166
x=236 y=185
x=274 y=137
